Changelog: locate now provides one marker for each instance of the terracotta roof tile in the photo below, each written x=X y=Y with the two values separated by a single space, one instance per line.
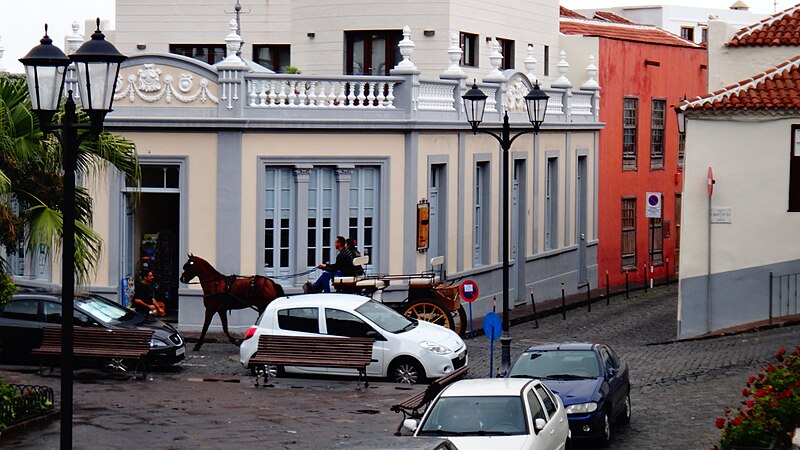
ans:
x=611 y=17
x=775 y=89
x=566 y=12
x=623 y=31
x=779 y=29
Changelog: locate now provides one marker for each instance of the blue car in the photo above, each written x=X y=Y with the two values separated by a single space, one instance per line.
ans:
x=591 y=380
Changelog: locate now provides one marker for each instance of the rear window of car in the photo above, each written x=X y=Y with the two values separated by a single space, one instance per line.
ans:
x=299 y=319
x=21 y=310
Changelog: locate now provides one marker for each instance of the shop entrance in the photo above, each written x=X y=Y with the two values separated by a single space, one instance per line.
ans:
x=150 y=234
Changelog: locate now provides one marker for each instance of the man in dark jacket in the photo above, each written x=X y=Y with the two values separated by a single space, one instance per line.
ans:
x=342 y=267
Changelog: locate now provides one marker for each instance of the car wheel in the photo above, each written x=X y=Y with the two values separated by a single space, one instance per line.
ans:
x=406 y=370
x=605 y=439
x=626 y=413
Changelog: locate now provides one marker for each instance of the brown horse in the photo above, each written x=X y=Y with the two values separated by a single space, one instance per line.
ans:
x=222 y=293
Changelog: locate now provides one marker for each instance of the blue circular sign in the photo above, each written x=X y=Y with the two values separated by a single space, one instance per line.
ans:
x=653 y=200
x=492 y=326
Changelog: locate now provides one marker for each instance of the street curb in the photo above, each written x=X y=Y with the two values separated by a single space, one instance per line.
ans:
x=34 y=422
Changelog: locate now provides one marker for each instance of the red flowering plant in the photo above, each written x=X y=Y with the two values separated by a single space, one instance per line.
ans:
x=771 y=409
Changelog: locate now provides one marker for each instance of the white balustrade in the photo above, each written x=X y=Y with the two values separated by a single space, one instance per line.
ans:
x=350 y=92
x=435 y=96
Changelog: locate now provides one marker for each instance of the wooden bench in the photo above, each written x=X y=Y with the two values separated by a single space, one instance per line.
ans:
x=415 y=405
x=313 y=351
x=116 y=345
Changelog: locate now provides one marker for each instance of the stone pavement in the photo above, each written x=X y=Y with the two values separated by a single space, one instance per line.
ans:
x=208 y=401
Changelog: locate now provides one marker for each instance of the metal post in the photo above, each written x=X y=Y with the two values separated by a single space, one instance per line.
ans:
x=770 y=297
x=627 y=292
x=589 y=295
x=70 y=138
x=563 y=304
x=535 y=316
x=505 y=338
x=608 y=290
x=645 y=277
x=667 y=270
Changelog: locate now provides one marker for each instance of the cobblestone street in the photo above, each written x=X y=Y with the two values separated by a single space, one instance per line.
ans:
x=678 y=389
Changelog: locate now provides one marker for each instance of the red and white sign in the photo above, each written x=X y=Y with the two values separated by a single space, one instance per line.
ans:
x=710 y=181
x=653 y=206
x=468 y=291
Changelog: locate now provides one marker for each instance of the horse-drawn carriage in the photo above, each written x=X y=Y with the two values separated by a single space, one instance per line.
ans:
x=429 y=298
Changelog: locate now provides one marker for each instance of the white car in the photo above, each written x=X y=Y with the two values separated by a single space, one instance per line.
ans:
x=494 y=413
x=405 y=350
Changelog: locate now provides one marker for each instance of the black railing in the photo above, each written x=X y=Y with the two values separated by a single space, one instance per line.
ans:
x=28 y=401
x=783 y=295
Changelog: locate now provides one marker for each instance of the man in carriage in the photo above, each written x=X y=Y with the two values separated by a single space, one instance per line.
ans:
x=343 y=267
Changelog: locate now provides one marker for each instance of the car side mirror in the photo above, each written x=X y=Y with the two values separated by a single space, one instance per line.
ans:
x=611 y=372
x=539 y=424
x=410 y=424
x=375 y=335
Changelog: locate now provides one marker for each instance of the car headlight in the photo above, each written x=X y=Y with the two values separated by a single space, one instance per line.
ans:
x=582 y=408
x=434 y=347
x=157 y=343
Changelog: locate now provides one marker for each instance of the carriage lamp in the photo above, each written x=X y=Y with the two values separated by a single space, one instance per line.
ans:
x=536 y=106
x=97 y=64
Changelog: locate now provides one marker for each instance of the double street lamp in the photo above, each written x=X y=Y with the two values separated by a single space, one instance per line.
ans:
x=97 y=64
x=536 y=106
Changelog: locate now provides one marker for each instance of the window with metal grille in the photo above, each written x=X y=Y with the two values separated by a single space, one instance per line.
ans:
x=629 y=233
x=657 y=134
x=681 y=149
x=687 y=33
x=629 y=134
x=208 y=53
x=656 y=241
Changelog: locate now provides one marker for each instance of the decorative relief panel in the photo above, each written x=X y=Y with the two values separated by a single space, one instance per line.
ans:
x=518 y=88
x=145 y=83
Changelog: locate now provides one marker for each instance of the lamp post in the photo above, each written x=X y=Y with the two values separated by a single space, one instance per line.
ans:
x=536 y=106
x=97 y=62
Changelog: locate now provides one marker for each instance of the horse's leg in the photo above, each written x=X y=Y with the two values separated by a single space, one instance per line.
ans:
x=224 y=320
x=209 y=316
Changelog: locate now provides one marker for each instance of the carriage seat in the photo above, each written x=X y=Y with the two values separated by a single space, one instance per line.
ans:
x=424 y=281
x=361 y=282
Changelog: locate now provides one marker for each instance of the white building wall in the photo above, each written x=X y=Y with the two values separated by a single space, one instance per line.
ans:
x=752 y=179
x=155 y=26
x=672 y=18
x=730 y=65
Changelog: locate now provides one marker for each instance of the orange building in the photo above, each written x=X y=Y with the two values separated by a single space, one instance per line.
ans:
x=643 y=71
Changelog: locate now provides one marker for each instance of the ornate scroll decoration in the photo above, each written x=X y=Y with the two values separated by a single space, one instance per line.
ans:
x=146 y=84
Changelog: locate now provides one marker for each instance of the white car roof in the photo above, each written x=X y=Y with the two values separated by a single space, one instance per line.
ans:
x=344 y=301
x=487 y=387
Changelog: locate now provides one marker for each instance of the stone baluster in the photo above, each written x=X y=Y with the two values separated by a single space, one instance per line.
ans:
x=454 y=54
x=371 y=94
x=273 y=94
x=406 y=50
x=563 y=83
x=312 y=93
x=292 y=98
x=496 y=59
x=390 y=96
x=530 y=64
x=362 y=87
x=282 y=94
x=591 y=74
x=381 y=96
x=351 y=95
x=341 y=97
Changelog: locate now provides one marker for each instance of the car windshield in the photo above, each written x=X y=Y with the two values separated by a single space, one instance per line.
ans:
x=475 y=416
x=556 y=364
x=104 y=310
x=384 y=317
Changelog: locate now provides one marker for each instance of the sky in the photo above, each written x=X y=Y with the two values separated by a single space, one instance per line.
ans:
x=22 y=23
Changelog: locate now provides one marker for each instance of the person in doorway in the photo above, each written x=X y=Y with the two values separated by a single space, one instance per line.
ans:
x=144 y=296
x=342 y=266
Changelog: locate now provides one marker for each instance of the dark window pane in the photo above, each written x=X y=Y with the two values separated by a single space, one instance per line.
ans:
x=342 y=323
x=299 y=319
x=21 y=310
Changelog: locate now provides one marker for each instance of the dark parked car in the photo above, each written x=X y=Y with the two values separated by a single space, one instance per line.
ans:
x=26 y=314
x=591 y=380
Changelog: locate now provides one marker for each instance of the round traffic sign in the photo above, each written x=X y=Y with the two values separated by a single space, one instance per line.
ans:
x=653 y=200
x=492 y=326
x=468 y=291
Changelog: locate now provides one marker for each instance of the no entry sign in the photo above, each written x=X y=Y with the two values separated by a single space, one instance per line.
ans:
x=468 y=291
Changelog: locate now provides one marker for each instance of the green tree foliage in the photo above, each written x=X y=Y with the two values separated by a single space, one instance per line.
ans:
x=31 y=178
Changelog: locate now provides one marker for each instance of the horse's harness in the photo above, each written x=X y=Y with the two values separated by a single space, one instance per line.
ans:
x=229 y=279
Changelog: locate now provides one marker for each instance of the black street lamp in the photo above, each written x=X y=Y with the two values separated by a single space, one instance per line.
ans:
x=97 y=62
x=536 y=105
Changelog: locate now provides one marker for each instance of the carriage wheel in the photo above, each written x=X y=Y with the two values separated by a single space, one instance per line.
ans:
x=429 y=310
x=460 y=321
